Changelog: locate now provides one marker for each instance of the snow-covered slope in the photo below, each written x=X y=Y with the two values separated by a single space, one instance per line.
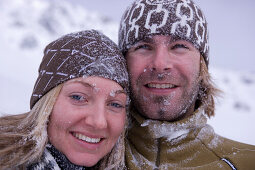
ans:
x=27 y=26
x=235 y=110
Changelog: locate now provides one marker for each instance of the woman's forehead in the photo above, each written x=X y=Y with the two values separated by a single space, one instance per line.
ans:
x=97 y=84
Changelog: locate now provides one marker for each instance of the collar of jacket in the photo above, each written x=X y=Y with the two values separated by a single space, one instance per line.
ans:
x=156 y=129
x=187 y=143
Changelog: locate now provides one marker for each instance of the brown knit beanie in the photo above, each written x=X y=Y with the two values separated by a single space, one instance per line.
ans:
x=180 y=19
x=81 y=54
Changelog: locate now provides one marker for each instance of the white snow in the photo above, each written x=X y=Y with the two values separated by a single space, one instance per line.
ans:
x=235 y=111
x=27 y=26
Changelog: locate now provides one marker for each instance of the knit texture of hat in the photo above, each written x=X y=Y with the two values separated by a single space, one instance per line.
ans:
x=81 y=54
x=180 y=19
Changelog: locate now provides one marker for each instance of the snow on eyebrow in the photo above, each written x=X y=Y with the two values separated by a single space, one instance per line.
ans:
x=95 y=89
x=114 y=92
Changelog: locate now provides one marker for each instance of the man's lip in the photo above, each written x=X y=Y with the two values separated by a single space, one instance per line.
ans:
x=160 y=85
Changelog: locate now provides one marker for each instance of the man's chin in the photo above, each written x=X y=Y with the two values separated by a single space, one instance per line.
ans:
x=165 y=114
x=155 y=114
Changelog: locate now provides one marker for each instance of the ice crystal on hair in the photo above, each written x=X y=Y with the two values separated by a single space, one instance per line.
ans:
x=166 y=102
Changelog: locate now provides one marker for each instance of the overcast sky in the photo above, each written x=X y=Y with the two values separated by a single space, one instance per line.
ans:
x=231 y=28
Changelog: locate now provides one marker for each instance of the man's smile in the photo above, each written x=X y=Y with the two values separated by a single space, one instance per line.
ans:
x=160 y=86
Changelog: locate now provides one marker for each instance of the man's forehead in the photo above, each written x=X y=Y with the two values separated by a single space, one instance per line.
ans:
x=160 y=38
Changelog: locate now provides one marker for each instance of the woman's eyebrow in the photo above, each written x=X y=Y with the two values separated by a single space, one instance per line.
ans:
x=93 y=86
x=83 y=83
x=120 y=92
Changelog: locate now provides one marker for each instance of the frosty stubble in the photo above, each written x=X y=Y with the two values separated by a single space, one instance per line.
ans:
x=168 y=107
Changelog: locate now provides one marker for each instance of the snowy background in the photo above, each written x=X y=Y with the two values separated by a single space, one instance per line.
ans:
x=27 y=26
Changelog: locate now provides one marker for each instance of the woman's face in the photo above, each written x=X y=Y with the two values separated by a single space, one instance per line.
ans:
x=87 y=119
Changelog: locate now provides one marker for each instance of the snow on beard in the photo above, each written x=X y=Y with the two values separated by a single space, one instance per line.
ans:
x=165 y=107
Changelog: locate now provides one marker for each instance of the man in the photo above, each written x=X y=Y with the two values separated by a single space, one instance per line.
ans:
x=166 y=46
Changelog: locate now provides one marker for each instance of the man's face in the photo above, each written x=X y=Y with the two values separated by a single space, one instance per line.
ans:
x=164 y=77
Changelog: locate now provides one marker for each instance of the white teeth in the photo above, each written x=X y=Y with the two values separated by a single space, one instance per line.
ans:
x=86 y=139
x=161 y=86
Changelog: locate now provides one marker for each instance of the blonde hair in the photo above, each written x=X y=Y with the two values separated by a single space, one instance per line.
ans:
x=208 y=92
x=23 y=137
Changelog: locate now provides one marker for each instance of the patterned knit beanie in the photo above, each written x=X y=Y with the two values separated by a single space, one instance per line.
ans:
x=81 y=54
x=180 y=19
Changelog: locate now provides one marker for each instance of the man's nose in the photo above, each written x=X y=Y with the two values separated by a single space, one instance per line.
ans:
x=161 y=60
x=97 y=117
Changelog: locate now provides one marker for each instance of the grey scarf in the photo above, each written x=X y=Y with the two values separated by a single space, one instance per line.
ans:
x=52 y=159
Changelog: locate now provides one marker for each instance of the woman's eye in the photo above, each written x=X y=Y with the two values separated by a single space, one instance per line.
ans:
x=78 y=98
x=176 y=46
x=116 y=105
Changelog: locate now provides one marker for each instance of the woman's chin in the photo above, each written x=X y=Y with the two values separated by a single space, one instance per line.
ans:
x=84 y=161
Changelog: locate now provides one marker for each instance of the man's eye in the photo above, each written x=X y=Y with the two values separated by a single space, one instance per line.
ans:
x=176 y=46
x=142 y=46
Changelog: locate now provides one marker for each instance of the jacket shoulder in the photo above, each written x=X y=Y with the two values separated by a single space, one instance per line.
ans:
x=241 y=155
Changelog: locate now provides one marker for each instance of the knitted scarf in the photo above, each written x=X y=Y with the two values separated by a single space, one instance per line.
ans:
x=52 y=159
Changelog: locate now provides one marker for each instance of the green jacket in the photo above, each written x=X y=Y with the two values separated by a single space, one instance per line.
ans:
x=185 y=144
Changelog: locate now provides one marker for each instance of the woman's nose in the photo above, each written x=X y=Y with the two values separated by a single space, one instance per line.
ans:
x=97 y=118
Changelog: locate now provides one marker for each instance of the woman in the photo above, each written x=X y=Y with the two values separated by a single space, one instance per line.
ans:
x=78 y=109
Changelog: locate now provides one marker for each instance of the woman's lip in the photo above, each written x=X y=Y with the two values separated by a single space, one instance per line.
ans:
x=89 y=146
x=90 y=135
